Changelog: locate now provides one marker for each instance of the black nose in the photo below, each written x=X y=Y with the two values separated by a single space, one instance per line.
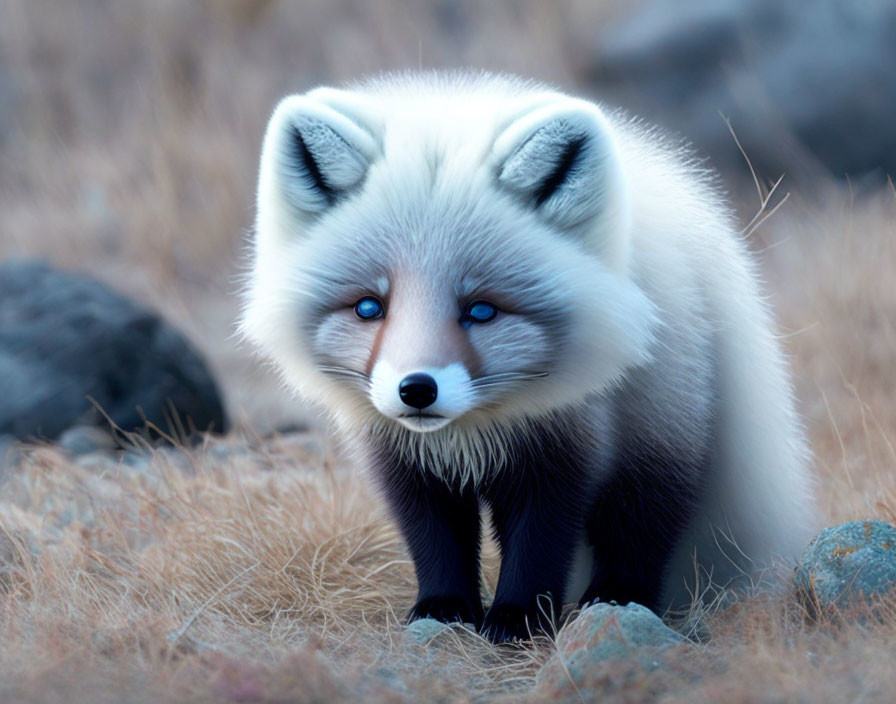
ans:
x=418 y=390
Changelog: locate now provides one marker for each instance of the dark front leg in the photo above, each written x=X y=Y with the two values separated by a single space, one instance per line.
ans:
x=538 y=508
x=441 y=525
x=636 y=523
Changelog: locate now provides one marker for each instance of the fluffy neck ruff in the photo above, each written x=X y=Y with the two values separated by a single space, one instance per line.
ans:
x=473 y=451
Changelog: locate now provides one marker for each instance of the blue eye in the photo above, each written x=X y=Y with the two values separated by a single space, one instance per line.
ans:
x=369 y=308
x=479 y=311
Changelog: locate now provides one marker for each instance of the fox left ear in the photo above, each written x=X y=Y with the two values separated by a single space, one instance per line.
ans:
x=561 y=159
x=317 y=149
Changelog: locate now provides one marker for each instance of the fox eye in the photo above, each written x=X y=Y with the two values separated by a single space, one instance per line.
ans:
x=369 y=308
x=479 y=311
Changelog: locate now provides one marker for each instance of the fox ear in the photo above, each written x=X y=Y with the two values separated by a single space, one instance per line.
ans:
x=560 y=158
x=316 y=150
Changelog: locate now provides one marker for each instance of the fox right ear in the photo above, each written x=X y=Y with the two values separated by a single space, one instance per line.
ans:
x=316 y=150
x=559 y=157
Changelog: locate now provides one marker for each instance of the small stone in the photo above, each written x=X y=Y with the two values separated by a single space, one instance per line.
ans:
x=98 y=462
x=9 y=453
x=423 y=630
x=84 y=439
x=603 y=632
x=8 y=564
x=137 y=460
x=848 y=565
x=220 y=451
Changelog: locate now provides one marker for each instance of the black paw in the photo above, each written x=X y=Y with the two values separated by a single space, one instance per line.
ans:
x=447 y=609
x=505 y=623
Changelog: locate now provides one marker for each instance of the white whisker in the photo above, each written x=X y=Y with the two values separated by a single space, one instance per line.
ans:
x=345 y=371
x=502 y=378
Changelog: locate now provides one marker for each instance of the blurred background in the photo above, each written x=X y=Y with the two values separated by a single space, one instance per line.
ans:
x=130 y=133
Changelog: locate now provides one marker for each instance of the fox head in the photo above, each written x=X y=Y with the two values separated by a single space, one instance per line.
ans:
x=444 y=255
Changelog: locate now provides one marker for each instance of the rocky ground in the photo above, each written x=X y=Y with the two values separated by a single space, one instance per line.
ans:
x=263 y=569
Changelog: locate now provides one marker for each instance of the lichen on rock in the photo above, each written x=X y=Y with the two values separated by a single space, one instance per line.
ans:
x=847 y=566
x=602 y=633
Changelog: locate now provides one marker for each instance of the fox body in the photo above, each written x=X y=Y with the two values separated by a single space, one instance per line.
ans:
x=506 y=296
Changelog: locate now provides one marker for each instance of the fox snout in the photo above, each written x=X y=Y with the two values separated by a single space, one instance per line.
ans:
x=421 y=399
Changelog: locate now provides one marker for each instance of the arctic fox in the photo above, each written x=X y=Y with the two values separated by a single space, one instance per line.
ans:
x=505 y=295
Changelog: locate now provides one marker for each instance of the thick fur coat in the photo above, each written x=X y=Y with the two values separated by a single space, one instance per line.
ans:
x=625 y=412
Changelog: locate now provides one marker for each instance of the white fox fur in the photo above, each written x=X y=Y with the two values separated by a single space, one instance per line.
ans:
x=628 y=274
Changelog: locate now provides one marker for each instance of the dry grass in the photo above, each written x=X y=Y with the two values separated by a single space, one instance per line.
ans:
x=263 y=569
x=240 y=567
x=832 y=278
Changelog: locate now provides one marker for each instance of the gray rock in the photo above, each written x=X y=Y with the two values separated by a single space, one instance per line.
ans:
x=848 y=565
x=65 y=338
x=84 y=439
x=7 y=562
x=804 y=86
x=137 y=460
x=10 y=104
x=7 y=442
x=602 y=633
x=99 y=462
x=424 y=630
x=10 y=453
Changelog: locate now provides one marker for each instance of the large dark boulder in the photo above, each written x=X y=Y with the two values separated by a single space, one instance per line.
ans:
x=66 y=338
x=807 y=86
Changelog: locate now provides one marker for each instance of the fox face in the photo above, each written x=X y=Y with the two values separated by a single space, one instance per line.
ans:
x=428 y=333
x=431 y=262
